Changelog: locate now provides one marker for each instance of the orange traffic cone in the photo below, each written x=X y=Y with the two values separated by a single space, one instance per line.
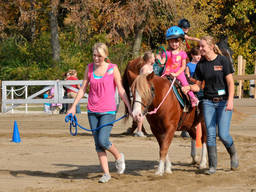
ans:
x=198 y=136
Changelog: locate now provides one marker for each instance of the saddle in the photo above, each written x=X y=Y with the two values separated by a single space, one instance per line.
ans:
x=182 y=98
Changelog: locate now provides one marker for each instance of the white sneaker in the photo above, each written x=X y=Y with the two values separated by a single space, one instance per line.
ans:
x=139 y=134
x=120 y=164
x=105 y=178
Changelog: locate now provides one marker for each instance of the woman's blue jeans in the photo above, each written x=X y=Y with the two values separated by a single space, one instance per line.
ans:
x=216 y=116
x=101 y=136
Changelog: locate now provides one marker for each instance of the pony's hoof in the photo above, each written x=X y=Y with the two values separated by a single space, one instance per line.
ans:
x=159 y=173
x=202 y=166
x=168 y=171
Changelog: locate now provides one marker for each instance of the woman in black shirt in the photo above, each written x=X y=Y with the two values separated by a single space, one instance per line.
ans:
x=216 y=71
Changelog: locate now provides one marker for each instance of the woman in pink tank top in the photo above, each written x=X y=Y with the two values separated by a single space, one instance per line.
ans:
x=103 y=78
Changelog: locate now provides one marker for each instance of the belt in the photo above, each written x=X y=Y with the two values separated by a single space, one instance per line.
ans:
x=216 y=99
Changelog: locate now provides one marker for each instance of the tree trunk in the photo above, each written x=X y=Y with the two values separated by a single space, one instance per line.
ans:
x=54 y=31
x=137 y=42
x=33 y=22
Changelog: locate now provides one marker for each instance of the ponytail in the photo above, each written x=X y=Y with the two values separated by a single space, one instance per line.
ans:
x=217 y=50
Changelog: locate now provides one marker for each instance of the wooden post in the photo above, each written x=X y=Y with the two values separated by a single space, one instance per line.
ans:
x=243 y=81
x=240 y=71
x=1 y=96
x=255 y=81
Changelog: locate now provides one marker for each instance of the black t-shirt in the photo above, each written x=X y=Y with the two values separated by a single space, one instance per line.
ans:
x=214 y=74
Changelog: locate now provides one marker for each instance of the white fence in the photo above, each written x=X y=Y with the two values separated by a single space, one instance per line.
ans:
x=22 y=97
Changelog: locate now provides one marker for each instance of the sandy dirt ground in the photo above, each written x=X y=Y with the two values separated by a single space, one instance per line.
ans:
x=49 y=159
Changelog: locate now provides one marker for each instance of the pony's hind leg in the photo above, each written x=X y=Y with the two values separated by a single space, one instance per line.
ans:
x=203 y=161
x=193 y=151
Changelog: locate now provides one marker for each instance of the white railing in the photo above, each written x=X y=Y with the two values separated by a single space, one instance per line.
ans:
x=16 y=94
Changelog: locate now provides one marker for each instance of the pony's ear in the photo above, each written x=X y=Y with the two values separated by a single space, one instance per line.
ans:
x=150 y=76
x=132 y=75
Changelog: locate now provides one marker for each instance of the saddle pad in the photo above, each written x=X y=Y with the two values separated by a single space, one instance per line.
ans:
x=178 y=96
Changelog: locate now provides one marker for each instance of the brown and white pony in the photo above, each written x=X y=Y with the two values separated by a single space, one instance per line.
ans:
x=148 y=91
x=131 y=72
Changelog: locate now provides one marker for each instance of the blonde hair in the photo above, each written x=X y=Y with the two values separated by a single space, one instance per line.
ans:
x=101 y=48
x=211 y=42
x=182 y=46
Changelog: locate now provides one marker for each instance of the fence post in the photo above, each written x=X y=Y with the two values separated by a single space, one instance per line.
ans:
x=1 y=95
x=255 y=81
x=26 y=96
x=240 y=71
x=12 y=97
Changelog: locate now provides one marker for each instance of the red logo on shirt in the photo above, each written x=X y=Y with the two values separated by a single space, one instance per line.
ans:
x=218 y=68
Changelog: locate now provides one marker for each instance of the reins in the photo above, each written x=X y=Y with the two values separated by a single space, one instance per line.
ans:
x=74 y=123
x=155 y=110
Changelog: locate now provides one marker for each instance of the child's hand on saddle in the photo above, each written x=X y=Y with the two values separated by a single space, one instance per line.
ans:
x=185 y=89
x=174 y=74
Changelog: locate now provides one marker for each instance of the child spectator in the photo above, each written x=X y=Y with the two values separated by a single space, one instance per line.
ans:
x=46 y=105
x=185 y=25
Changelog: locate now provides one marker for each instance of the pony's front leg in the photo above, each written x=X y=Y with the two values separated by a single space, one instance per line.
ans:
x=160 y=169
x=203 y=157
x=164 y=146
x=168 y=165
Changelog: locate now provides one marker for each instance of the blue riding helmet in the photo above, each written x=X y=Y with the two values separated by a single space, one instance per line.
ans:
x=174 y=32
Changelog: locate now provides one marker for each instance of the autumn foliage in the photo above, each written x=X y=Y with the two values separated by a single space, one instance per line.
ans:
x=129 y=27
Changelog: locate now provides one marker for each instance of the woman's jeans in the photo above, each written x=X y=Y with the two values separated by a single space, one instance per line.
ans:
x=216 y=116
x=101 y=136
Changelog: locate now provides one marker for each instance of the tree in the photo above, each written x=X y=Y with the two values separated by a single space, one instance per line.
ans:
x=54 y=30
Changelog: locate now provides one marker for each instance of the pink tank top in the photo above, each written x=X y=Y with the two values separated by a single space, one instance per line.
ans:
x=174 y=61
x=102 y=91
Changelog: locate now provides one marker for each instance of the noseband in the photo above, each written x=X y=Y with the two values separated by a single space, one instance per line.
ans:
x=146 y=107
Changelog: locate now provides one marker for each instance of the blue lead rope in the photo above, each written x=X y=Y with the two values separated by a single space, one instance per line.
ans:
x=74 y=124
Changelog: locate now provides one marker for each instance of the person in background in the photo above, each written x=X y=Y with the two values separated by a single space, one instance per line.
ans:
x=190 y=70
x=185 y=26
x=103 y=78
x=47 y=105
x=65 y=105
x=55 y=107
x=195 y=58
x=72 y=94
x=216 y=70
x=147 y=68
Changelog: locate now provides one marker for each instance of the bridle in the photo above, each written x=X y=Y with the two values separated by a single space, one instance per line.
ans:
x=145 y=112
x=146 y=107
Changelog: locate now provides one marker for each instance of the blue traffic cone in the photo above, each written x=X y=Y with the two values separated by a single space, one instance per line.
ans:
x=16 y=134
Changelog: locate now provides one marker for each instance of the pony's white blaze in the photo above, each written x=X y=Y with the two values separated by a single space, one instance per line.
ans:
x=136 y=111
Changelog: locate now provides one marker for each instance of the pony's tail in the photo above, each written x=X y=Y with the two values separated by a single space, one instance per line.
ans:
x=127 y=89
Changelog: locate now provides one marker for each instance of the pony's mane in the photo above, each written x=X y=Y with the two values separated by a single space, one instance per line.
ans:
x=141 y=85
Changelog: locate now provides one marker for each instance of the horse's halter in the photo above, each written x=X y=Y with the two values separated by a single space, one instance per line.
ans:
x=146 y=107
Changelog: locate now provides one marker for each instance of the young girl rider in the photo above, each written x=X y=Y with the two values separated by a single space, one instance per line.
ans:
x=176 y=59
